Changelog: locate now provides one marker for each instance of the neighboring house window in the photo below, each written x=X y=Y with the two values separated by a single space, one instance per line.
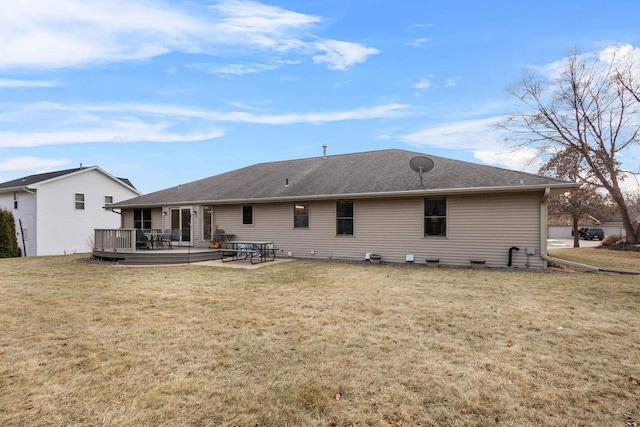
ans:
x=344 y=218
x=142 y=219
x=247 y=214
x=108 y=200
x=79 y=201
x=207 y=222
x=435 y=217
x=301 y=215
x=15 y=200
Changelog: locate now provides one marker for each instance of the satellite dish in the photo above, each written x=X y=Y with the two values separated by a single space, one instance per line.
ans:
x=421 y=165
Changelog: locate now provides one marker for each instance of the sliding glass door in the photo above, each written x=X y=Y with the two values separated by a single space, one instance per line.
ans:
x=181 y=230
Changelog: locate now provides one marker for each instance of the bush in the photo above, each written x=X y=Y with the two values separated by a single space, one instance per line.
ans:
x=8 y=240
x=612 y=240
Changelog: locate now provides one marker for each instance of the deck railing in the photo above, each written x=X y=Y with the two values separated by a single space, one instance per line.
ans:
x=118 y=240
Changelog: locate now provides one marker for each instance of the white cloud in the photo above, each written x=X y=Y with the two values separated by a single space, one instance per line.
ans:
x=241 y=69
x=418 y=42
x=76 y=124
x=32 y=164
x=625 y=55
x=120 y=133
x=450 y=83
x=424 y=84
x=480 y=136
x=522 y=159
x=341 y=55
x=15 y=83
x=33 y=34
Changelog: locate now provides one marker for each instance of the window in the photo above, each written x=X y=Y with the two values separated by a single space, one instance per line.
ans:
x=108 y=200
x=247 y=214
x=301 y=215
x=344 y=218
x=15 y=200
x=142 y=219
x=435 y=217
x=79 y=201
x=207 y=223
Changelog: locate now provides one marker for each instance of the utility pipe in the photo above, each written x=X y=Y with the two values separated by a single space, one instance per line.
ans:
x=511 y=249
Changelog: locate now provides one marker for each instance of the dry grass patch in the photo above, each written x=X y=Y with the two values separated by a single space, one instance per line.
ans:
x=600 y=257
x=315 y=344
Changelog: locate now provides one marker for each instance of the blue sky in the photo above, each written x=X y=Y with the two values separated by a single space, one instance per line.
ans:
x=167 y=92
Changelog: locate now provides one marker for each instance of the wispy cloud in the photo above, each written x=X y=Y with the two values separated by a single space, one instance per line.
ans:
x=241 y=69
x=34 y=34
x=424 y=84
x=339 y=55
x=625 y=56
x=450 y=83
x=32 y=164
x=418 y=42
x=15 y=83
x=117 y=132
x=477 y=135
x=123 y=123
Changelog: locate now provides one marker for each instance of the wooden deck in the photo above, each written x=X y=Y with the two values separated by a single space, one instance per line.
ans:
x=160 y=257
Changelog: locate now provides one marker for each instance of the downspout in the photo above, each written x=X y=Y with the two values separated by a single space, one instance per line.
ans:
x=543 y=238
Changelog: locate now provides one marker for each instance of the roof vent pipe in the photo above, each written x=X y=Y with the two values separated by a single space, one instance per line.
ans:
x=324 y=151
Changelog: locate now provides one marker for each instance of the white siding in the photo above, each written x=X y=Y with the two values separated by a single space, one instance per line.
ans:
x=27 y=213
x=64 y=229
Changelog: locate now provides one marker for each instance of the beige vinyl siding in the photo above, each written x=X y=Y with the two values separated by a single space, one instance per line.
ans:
x=478 y=227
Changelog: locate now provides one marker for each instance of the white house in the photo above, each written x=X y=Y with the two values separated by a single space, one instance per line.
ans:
x=56 y=212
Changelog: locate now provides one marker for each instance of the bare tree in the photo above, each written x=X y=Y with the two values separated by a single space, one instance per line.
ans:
x=588 y=110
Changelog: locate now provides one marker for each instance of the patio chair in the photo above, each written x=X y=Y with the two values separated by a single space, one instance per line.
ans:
x=166 y=238
x=142 y=241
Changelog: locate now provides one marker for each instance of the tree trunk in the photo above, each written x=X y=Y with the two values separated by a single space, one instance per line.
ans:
x=617 y=197
x=576 y=237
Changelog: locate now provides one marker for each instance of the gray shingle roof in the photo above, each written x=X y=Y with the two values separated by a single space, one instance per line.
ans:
x=34 y=179
x=367 y=173
x=41 y=177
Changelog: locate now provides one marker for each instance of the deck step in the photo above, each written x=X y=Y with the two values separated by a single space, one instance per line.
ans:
x=160 y=257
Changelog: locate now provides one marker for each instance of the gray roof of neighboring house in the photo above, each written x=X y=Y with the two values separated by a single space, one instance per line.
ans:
x=41 y=177
x=383 y=173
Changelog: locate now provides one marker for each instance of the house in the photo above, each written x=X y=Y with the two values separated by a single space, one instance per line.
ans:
x=56 y=212
x=353 y=205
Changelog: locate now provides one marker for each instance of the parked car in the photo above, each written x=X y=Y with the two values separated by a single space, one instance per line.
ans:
x=590 y=233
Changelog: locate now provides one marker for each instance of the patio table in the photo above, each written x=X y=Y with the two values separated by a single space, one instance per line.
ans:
x=252 y=250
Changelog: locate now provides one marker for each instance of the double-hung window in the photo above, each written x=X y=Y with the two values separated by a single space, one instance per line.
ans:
x=79 y=201
x=247 y=214
x=301 y=215
x=142 y=219
x=344 y=218
x=435 y=217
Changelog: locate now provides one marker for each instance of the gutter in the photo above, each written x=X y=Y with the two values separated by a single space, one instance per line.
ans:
x=14 y=189
x=543 y=243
